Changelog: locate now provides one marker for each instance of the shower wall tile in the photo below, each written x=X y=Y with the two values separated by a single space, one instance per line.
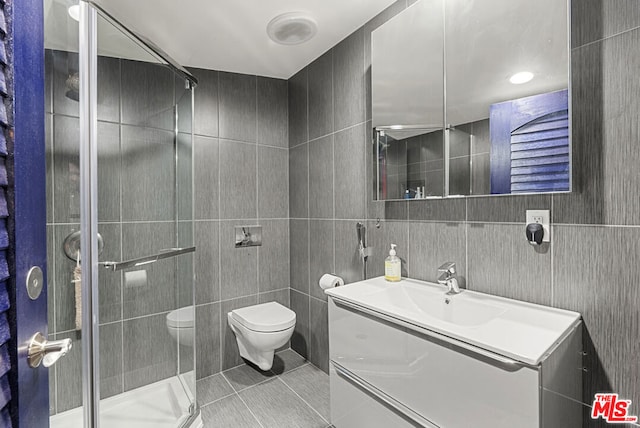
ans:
x=205 y=102
x=298 y=108
x=237 y=180
x=108 y=89
x=349 y=173
x=66 y=170
x=503 y=263
x=273 y=112
x=109 y=172
x=48 y=132
x=348 y=261
x=300 y=338
x=159 y=292
x=111 y=346
x=207 y=340
x=348 y=82
x=321 y=96
x=148 y=174
x=607 y=299
x=155 y=361
x=238 y=266
x=229 y=346
x=207 y=264
x=53 y=398
x=64 y=66
x=299 y=181
x=48 y=81
x=273 y=256
x=238 y=116
x=184 y=177
x=299 y=255
x=110 y=283
x=64 y=289
x=273 y=182
x=51 y=279
x=183 y=105
x=69 y=373
x=65 y=98
x=69 y=368
x=150 y=95
x=321 y=178
x=206 y=167
x=432 y=244
x=321 y=254
x=319 y=334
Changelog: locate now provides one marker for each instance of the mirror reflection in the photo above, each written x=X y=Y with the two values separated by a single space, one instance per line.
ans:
x=471 y=98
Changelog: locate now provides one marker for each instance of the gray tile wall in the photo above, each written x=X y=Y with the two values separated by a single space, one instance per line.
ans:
x=588 y=267
x=241 y=177
x=240 y=159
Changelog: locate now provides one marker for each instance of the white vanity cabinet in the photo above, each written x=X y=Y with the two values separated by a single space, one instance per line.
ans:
x=387 y=371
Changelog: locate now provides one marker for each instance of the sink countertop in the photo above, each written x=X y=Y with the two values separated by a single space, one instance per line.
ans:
x=523 y=331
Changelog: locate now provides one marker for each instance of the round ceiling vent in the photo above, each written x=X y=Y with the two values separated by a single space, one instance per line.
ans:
x=291 y=28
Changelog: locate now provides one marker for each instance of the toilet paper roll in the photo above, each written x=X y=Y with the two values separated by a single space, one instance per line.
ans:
x=329 y=281
x=135 y=279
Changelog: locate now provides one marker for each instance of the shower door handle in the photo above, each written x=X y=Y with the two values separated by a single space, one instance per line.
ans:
x=46 y=351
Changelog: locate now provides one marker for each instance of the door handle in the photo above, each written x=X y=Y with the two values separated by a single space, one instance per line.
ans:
x=46 y=351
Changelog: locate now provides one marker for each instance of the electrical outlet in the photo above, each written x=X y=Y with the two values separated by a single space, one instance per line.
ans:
x=540 y=217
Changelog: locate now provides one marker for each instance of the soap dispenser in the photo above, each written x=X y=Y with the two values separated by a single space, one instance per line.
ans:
x=392 y=266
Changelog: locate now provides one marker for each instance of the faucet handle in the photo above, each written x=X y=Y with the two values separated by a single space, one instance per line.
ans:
x=448 y=267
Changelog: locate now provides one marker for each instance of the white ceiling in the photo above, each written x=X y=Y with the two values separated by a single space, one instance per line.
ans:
x=231 y=35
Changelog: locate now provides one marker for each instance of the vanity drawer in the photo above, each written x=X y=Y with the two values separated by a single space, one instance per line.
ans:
x=447 y=385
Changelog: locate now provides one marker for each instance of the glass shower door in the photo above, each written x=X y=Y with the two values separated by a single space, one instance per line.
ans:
x=144 y=342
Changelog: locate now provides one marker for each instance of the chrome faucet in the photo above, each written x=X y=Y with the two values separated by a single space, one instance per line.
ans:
x=447 y=276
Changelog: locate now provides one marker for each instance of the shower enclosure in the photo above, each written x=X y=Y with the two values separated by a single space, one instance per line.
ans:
x=119 y=224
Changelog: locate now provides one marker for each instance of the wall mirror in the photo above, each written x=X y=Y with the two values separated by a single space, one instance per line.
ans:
x=472 y=98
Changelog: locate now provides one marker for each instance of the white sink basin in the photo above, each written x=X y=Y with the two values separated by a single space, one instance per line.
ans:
x=465 y=309
x=522 y=331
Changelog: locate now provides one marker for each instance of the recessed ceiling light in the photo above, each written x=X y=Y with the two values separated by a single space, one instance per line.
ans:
x=521 y=77
x=74 y=12
x=291 y=28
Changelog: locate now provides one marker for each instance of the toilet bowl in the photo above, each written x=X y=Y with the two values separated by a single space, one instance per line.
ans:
x=180 y=325
x=260 y=330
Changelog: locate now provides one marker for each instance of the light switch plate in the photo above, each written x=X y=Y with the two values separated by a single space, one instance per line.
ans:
x=541 y=217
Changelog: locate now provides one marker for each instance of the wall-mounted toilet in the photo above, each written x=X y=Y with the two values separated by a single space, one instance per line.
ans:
x=260 y=330
x=180 y=325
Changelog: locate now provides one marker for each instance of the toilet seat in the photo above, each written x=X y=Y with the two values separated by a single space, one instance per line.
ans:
x=181 y=318
x=265 y=317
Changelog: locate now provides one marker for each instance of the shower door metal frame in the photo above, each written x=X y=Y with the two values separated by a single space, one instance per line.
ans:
x=88 y=68
x=88 y=72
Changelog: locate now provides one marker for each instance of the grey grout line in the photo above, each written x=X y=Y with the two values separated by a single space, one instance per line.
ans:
x=250 y=411
x=303 y=400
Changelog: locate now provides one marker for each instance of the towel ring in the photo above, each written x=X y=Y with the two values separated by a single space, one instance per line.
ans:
x=71 y=245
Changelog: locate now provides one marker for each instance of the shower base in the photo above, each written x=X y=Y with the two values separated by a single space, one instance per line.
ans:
x=163 y=404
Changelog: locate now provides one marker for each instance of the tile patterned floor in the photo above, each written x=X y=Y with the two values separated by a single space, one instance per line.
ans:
x=293 y=394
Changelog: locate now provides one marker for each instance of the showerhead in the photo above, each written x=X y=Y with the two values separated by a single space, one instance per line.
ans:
x=72 y=86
